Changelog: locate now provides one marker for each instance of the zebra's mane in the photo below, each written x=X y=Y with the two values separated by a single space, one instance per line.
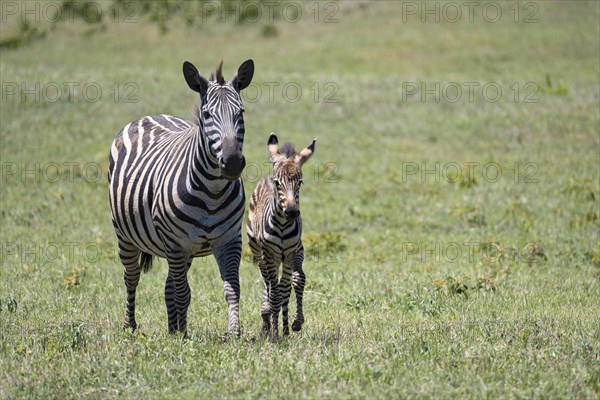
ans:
x=196 y=114
x=287 y=150
x=219 y=77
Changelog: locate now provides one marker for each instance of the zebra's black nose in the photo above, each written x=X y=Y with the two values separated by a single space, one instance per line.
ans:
x=232 y=166
x=232 y=161
x=292 y=212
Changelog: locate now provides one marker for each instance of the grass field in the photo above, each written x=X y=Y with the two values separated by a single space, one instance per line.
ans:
x=451 y=210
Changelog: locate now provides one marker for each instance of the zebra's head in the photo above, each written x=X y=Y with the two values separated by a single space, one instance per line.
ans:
x=221 y=114
x=287 y=175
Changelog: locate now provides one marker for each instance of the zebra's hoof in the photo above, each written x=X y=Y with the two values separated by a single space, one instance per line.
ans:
x=297 y=326
x=129 y=325
x=274 y=337
x=266 y=327
x=233 y=334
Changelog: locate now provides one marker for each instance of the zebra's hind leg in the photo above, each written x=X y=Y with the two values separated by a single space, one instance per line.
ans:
x=285 y=289
x=228 y=257
x=129 y=255
x=298 y=281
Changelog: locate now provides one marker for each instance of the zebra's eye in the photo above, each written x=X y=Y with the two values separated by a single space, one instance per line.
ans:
x=206 y=114
x=276 y=182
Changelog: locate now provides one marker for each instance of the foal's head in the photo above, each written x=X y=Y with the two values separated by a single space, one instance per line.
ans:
x=287 y=175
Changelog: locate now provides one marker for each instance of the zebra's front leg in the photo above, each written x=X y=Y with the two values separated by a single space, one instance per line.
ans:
x=265 y=310
x=178 y=303
x=298 y=281
x=285 y=289
x=173 y=322
x=270 y=307
x=274 y=300
x=129 y=255
x=228 y=257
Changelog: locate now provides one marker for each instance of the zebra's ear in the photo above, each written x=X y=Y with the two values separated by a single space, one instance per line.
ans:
x=195 y=81
x=305 y=154
x=243 y=76
x=273 y=146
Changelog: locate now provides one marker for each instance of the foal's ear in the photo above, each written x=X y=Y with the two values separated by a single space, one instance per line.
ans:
x=243 y=76
x=194 y=79
x=273 y=146
x=305 y=154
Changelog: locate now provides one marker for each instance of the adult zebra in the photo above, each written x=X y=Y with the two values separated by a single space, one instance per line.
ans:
x=175 y=192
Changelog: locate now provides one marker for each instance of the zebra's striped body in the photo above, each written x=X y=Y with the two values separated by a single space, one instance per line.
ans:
x=175 y=193
x=274 y=230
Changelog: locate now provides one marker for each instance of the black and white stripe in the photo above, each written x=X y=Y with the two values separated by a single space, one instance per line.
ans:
x=274 y=229
x=175 y=192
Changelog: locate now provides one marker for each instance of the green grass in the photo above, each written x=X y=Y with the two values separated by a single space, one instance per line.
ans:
x=416 y=287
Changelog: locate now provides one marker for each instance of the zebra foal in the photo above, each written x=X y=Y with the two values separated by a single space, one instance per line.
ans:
x=274 y=230
x=175 y=192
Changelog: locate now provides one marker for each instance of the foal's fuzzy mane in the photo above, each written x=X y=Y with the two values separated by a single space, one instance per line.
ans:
x=287 y=150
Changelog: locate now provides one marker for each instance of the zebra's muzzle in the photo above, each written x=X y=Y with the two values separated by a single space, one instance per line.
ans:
x=291 y=212
x=232 y=162
x=232 y=167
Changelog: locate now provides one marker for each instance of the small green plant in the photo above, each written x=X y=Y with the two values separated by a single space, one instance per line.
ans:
x=359 y=302
x=424 y=300
x=590 y=217
x=533 y=253
x=26 y=33
x=270 y=30
x=77 y=336
x=580 y=188
x=560 y=89
x=74 y=278
x=593 y=256
x=323 y=246
x=463 y=285
x=451 y=285
x=518 y=214
x=10 y=304
x=472 y=215
x=487 y=283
